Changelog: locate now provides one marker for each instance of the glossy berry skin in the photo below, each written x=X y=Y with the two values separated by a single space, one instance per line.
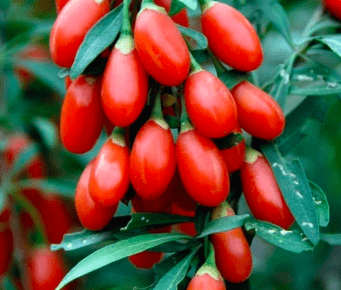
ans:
x=66 y=37
x=258 y=113
x=6 y=246
x=109 y=178
x=45 y=269
x=124 y=88
x=161 y=48
x=232 y=251
x=206 y=281
x=202 y=168
x=234 y=156
x=60 y=4
x=152 y=159
x=68 y=82
x=81 y=118
x=210 y=105
x=180 y=18
x=235 y=42
x=93 y=216
x=333 y=7
x=261 y=191
x=146 y=259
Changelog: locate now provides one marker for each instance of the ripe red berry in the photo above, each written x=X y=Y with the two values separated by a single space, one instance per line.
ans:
x=152 y=159
x=235 y=42
x=45 y=269
x=202 y=168
x=160 y=46
x=81 y=118
x=109 y=178
x=125 y=84
x=93 y=216
x=6 y=246
x=180 y=18
x=66 y=37
x=210 y=105
x=146 y=259
x=68 y=82
x=258 y=113
x=234 y=156
x=261 y=191
x=18 y=143
x=333 y=7
x=206 y=281
x=232 y=251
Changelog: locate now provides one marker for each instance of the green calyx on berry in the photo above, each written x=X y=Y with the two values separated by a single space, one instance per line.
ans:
x=117 y=136
x=251 y=155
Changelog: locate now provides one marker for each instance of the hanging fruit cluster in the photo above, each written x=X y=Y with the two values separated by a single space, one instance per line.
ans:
x=143 y=160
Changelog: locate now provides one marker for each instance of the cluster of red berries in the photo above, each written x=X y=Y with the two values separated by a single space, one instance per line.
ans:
x=49 y=206
x=169 y=176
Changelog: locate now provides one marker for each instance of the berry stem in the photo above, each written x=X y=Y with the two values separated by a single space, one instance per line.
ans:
x=126 y=27
x=217 y=64
x=117 y=136
x=186 y=124
x=195 y=66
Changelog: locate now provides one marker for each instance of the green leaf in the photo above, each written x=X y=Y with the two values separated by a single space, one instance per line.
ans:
x=5 y=4
x=197 y=36
x=176 y=7
x=224 y=224
x=82 y=239
x=331 y=239
x=202 y=216
x=2 y=198
x=333 y=42
x=115 y=252
x=191 y=4
x=276 y=14
x=200 y=55
x=295 y=189
x=47 y=131
x=47 y=72
x=171 y=280
x=63 y=73
x=23 y=159
x=139 y=220
x=10 y=91
x=173 y=122
x=7 y=283
x=321 y=203
x=175 y=246
x=297 y=120
x=293 y=241
x=232 y=77
x=96 y=40
x=229 y=141
x=324 y=24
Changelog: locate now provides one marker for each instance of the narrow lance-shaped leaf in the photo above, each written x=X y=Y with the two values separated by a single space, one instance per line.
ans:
x=139 y=220
x=294 y=241
x=224 y=224
x=295 y=189
x=192 y=4
x=321 y=204
x=332 y=41
x=115 y=252
x=197 y=36
x=47 y=131
x=171 y=280
x=331 y=239
x=176 y=7
x=96 y=40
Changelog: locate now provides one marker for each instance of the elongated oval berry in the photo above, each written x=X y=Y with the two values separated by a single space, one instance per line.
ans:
x=234 y=156
x=6 y=246
x=160 y=46
x=258 y=113
x=232 y=251
x=92 y=215
x=125 y=84
x=152 y=159
x=333 y=7
x=71 y=26
x=210 y=105
x=202 y=168
x=45 y=269
x=180 y=18
x=261 y=191
x=109 y=179
x=81 y=118
x=146 y=259
x=231 y=36
x=206 y=281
